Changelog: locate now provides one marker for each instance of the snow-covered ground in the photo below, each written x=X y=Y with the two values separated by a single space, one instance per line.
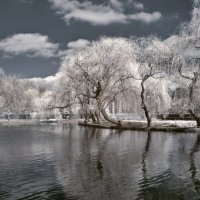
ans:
x=178 y=123
x=166 y=123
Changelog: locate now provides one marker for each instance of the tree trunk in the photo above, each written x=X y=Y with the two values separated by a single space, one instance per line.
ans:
x=191 y=87
x=196 y=118
x=8 y=116
x=70 y=112
x=86 y=116
x=143 y=104
x=97 y=114
x=84 y=110
x=106 y=117
x=93 y=117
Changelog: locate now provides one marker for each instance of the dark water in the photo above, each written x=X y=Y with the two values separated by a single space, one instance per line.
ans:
x=69 y=162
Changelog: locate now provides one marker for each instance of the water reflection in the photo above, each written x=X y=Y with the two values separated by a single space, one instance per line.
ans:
x=144 y=184
x=193 y=169
x=70 y=162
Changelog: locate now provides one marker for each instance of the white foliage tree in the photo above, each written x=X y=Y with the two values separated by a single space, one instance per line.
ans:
x=153 y=60
x=96 y=73
x=187 y=49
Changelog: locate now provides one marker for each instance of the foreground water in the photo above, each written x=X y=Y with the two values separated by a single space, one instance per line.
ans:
x=69 y=162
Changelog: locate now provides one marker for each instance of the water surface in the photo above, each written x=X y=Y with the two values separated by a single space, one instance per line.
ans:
x=69 y=162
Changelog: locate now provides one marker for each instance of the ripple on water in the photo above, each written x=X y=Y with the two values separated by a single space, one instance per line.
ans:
x=147 y=182
x=38 y=163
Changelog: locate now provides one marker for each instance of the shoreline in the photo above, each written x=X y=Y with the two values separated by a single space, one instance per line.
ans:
x=138 y=128
x=137 y=125
x=20 y=121
x=24 y=122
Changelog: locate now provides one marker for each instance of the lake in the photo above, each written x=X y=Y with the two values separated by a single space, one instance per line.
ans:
x=70 y=162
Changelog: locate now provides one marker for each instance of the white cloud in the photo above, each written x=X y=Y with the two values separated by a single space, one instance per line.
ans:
x=63 y=53
x=47 y=82
x=31 y=44
x=138 y=6
x=73 y=46
x=101 y=14
x=146 y=17
x=37 y=45
x=78 y=44
x=64 y=6
x=116 y=4
x=97 y=17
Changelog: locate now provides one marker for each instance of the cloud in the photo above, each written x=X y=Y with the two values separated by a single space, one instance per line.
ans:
x=50 y=81
x=74 y=46
x=101 y=14
x=78 y=44
x=31 y=44
x=37 y=45
x=138 y=6
x=116 y=4
x=97 y=17
x=103 y=17
x=87 y=11
x=146 y=17
x=46 y=82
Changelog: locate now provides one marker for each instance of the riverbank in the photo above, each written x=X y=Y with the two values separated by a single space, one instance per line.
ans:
x=157 y=125
x=23 y=121
x=15 y=121
x=167 y=125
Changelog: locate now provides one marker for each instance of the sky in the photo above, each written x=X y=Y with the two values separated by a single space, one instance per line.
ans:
x=36 y=34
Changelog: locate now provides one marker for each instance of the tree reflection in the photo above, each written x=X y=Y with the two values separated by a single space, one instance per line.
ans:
x=193 y=168
x=145 y=183
x=100 y=154
x=144 y=156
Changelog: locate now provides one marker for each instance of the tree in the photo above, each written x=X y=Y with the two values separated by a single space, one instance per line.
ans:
x=187 y=48
x=15 y=95
x=63 y=96
x=2 y=83
x=152 y=59
x=96 y=73
x=29 y=93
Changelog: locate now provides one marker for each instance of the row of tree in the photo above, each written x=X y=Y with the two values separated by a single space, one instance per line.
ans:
x=147 y=70
x=14 y=95
x=21 y=97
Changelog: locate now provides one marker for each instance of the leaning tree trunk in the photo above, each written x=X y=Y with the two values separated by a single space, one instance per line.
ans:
x=101 y=108
x=196 y=118
x=143 y=104
x=106 y=117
